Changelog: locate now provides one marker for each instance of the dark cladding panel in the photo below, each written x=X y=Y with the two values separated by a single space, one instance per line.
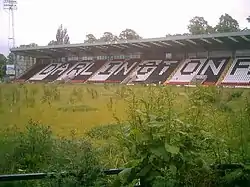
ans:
x=238 y=73
x=42 y=74
x=212 y=68
x=124 y=70
x=145 y=70
x=59 y=71
x=162 y=72
x=106 y=71
x=80 y=71
x=84 y=70
x=33 y=71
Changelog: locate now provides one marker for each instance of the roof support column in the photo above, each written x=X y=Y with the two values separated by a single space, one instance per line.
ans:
x=186 y=54
x=234 y=54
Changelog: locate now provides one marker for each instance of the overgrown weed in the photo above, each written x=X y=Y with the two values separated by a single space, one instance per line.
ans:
x=164 y=142
x=177 y=149
x=36 y=150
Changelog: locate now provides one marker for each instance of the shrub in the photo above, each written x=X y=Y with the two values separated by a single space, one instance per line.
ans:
x=164 y=150
x=104 y=132
x=166 y=140
x=36 y=150
x=168 y=148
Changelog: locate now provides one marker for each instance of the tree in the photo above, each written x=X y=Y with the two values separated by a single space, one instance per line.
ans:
x=248 y=19
x=184 y=34
x=29 y=45
x=11 y=58
x=62 y=37
x=129 y=34
x=52 y=42
x=3 y=61
x=33 y=45
x=245 y=29
x=167 y=35
x=227 y=24
x=108 y=37
x=198 y=25
x=90 y=38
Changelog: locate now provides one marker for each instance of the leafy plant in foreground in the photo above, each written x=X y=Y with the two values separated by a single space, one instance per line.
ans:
x=164 y=150
x=36 y=150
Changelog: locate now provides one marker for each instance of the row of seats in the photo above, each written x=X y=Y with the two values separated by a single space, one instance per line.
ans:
x=188 y=71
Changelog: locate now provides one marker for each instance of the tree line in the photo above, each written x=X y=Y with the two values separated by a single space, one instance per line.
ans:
x=62 y=37
x=197 y=25
x=3 y=61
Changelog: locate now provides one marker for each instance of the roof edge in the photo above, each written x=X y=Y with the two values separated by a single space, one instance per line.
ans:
x=168 y=38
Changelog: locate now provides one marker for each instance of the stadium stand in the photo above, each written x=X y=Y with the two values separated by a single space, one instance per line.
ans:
x=32 y=71
x=191 y=69
x=179 y=60
x=229 y=64
x=114 y=71
x=238 y=73
x=84 y=70
x=154 y=71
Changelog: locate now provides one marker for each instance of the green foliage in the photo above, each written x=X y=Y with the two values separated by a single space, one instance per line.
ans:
x=29 y=45
x=161 y=146
x=62 y=36
x=11 y=58
x=127 y=34
x=248 y=19
x=227 y=24
x=93 y=93
x=104 y=132
x=169 y=137
x=168 y=148
x=122 y=92
x=77 y=108
x=235 y=95
x=198 y=25
x=90 y=38
x=108 y=37
x=50 y=94
x=36 y=150
x=3 y=61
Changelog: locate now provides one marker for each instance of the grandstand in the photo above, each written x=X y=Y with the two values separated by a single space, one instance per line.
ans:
x=217 y=59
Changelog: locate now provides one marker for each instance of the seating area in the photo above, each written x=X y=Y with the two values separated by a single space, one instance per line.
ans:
x=31 y=72
x=238 y=73
x=212 y=68
x=156 y=71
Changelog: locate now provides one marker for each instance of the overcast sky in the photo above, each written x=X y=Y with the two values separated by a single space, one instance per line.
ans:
x=37 y=20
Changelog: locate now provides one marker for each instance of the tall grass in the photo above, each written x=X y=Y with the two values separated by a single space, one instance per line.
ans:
x=35 y=149
x=167 y=136
x=64 y=108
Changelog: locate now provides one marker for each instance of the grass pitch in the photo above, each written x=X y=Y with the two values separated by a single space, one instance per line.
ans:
x=79 y=108
x=123 y=124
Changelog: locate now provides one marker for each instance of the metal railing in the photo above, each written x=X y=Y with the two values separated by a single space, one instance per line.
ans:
x=50 y=175
x=35 y=176
x=54 y=175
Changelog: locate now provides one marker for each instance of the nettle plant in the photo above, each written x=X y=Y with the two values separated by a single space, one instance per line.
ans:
x=164 y=150
x=94 y=94
x=50 y=93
